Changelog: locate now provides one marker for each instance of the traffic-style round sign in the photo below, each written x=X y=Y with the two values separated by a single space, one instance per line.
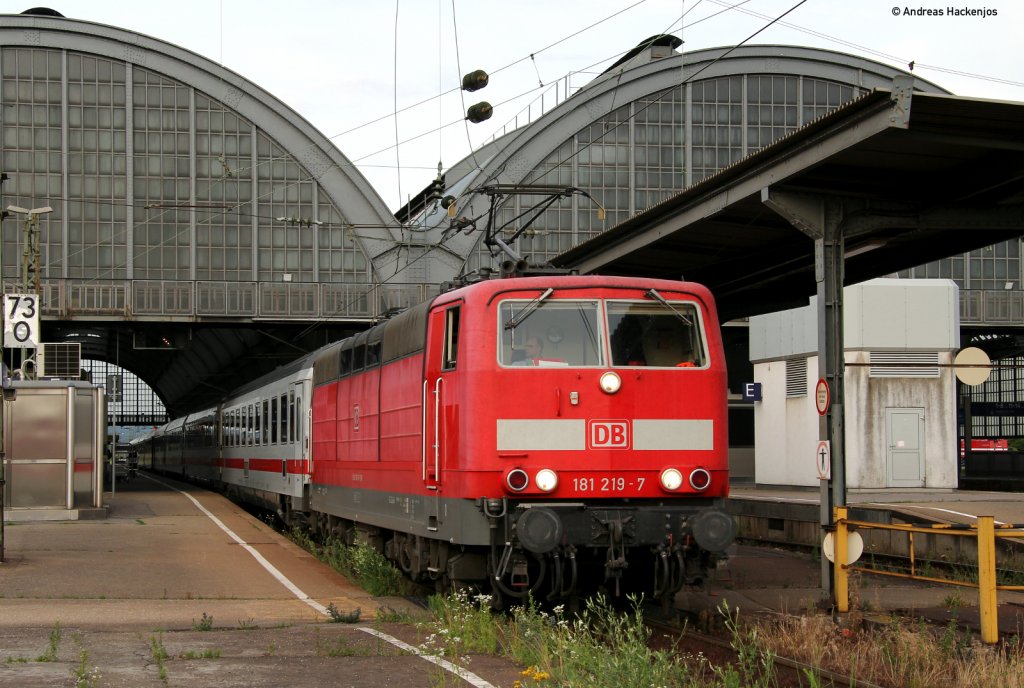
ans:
x=822 y=396
x=972 y=366
x=823 y=459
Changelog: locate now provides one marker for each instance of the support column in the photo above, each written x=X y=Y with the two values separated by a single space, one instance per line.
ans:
x=819 y=218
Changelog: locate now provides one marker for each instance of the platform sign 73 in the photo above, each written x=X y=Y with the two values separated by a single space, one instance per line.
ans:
x=21 y=321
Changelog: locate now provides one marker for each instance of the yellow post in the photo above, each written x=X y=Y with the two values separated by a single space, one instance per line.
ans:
x=842 y=586
x=987 y=605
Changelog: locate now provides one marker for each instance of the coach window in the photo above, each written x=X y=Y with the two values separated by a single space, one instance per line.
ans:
x=345 y=365
x=451 y=339
x=274 y=419
x=257 y=425
x=265 y=425
x=291 y=416
x=250 y=430
x=284 y=419
x=358 y=357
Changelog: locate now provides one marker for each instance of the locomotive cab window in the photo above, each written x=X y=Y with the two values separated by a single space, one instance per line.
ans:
x=451 y=339
x=549 y=333
x=655 y=334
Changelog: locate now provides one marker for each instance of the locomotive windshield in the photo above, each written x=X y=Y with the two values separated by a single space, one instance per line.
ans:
x=557 y=332
x=653 y=334
x=549 y=333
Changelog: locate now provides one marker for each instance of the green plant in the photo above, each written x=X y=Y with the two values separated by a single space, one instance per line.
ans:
x=461 y=625
x=339 y=617
x=755 y=664
x=599 y=647
x=368 y=567
x=159 y=654
x=247 y=625
x=84 y=677
x=386 y=614
x=51 y=652
x=340 y=648
x=953 y=601
x=204 y=624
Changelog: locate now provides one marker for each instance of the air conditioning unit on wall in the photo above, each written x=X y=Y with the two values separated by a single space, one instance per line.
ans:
x=60 y=361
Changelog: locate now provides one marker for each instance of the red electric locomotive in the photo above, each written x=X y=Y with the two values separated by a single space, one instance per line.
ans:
x=541 y=435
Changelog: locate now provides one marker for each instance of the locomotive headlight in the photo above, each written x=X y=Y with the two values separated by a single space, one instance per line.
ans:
x=517 y=480
x=671 y=479
x=610 y=382
x=700 y=479
x=546 y=480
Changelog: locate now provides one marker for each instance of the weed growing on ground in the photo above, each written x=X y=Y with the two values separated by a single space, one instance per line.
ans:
x=386 y=614
x=461 y=625
x=83 y=675
x=51 y=652
x=340 y=647
x=337 y=616
x=599 y=647
x=756 y=664
x=204 y=624
x=365 y=565
x=247 y=625
x=159 y=654
x=361 y=562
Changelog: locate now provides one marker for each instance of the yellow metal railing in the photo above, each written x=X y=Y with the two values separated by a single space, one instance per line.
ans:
x=984 y=531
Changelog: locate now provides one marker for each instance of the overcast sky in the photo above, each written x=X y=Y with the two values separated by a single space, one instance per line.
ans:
x=342 y=64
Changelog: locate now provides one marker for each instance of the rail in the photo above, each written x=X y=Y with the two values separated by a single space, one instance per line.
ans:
x=984 y=531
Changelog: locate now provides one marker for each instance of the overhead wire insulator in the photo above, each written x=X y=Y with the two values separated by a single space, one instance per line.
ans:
x=474 y=81
x=448 y=203
x=481 y=112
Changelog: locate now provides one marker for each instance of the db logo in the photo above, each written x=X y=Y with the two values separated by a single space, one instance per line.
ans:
x=609 y=434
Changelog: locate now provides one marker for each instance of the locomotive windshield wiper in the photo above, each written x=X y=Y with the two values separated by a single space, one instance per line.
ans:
x=651 y=293
x=530 y=308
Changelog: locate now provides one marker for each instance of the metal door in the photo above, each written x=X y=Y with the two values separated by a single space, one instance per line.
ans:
x=904 y=433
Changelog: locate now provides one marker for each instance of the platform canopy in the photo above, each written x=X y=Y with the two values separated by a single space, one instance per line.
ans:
x=906 y=177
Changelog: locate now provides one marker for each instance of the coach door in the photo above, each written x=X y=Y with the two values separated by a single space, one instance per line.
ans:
x=295 y=432
x=441 y=355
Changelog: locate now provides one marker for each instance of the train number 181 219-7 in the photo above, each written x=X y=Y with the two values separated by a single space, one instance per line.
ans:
x=608 y=484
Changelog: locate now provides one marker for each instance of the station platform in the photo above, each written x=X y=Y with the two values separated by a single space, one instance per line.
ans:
x=170 y=555
x=938 y=505
x=178 y=570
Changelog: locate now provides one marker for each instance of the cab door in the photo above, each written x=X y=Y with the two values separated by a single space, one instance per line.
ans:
x=443 y=325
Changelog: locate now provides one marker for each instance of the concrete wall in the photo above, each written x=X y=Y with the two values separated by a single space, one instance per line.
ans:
x=867 y=443
x=785 y=430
